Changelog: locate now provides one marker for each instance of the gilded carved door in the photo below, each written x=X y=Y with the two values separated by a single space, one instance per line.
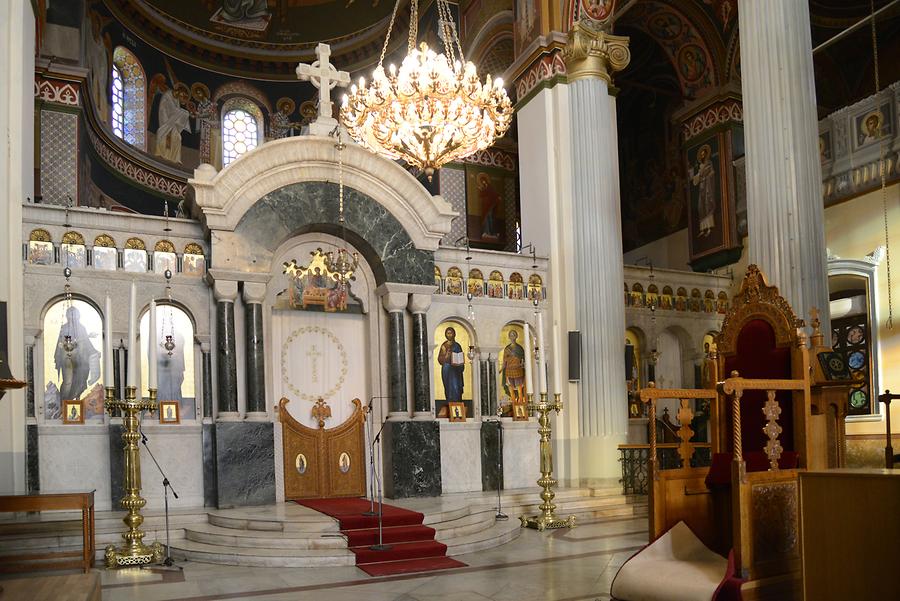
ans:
x=323 y=462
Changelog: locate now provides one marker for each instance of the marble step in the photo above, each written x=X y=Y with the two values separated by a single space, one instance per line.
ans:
x=499 y=533
x=240 y=520
x=253 y=557
x=53 y=523
x=233 y=537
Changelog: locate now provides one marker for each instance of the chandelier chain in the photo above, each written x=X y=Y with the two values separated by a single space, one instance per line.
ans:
x=387 y=38
x=445 y=21
x=413 y=24
x=883 y=175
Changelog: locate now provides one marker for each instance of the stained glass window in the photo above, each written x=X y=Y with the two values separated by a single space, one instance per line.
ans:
x=241 y=128
x=118 y=103
x=850 y=338
x=129 y=98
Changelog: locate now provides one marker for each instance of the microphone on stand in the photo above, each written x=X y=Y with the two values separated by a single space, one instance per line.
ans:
x=372 y=441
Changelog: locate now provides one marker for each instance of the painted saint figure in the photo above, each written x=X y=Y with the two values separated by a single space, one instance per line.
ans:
x=170 y=370
x=172 y=119
x=79 y=367
x=490 y=202
x=452 y=361
x=512 y=371
x=704 y=177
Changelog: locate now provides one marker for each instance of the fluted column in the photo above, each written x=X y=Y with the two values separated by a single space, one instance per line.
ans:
x=395 y=304
x=418 y=306
x=785 y=211
x=226 y=359
x=591 y=56
x=254 y=293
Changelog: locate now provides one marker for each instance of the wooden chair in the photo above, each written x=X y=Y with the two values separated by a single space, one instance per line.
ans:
x=774 y=414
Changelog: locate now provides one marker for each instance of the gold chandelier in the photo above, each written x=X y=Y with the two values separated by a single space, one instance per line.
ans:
x=431 y=111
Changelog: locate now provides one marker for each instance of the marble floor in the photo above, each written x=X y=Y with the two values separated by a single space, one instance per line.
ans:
x=563 y=565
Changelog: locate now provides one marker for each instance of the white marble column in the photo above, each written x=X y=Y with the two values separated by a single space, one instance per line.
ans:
x=16 y=183
x=784 y=180
x=591 y=56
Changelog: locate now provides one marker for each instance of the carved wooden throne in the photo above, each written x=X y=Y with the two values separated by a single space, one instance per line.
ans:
x=772 y=414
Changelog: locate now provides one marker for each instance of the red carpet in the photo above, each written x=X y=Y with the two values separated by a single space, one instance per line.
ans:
x=413 y=546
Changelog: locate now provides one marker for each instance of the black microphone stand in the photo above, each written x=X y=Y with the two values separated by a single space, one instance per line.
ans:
x=168 y=561
x=500 y=515
x=370 y=427
x=380 y=546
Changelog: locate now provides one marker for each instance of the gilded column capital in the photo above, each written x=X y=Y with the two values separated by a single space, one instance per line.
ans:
x=592 y=52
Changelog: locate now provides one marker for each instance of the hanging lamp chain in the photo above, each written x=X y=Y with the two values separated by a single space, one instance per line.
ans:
x=387 y=38
x=881 y=169
x=413 y=24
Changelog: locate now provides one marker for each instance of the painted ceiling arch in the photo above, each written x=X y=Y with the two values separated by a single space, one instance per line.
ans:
x=690 y=40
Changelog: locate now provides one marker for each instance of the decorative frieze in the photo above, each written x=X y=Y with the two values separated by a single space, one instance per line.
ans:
x=66 y=93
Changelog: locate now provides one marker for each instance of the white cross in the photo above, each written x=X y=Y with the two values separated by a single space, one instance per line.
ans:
x=324 y=76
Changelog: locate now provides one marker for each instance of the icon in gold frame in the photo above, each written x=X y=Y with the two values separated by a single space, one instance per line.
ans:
x=169 y=412
x=456 y=412
x=520 y=412
x=73 y=411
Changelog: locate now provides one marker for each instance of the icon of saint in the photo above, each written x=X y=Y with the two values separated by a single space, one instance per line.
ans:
x=512 y=371
x=80 y=366
x=452 y=361
x=703 y=176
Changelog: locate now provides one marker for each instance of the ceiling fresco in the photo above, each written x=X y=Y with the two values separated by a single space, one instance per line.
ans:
x=259 y=38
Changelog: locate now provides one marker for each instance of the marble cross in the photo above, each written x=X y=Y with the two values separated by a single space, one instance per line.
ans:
x=325 y=77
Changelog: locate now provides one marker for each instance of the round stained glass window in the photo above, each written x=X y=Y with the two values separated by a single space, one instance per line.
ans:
x=859 y=399
x=857 y=360
x=856 y=335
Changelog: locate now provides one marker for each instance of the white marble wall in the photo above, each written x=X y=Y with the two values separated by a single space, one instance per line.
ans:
x=76 y=458
x=521 y=454
x=460 y=456
x=179 y=452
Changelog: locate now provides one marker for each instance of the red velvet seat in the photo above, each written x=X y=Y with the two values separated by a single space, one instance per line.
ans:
x=757 y=357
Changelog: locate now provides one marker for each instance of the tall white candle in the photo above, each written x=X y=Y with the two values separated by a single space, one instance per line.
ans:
x=542 y=358
x=529 y=358
x=108 y=375
x=132 y=337
x=152 y=340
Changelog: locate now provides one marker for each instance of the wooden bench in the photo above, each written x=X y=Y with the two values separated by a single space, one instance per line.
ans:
x=52 y=560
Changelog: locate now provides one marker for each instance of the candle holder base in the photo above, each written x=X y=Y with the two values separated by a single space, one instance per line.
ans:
x=138 y=555
x=541 y=522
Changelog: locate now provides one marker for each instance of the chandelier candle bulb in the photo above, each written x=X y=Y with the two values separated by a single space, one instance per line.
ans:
x=108 y=375
x=153 y=347
x=132 y=337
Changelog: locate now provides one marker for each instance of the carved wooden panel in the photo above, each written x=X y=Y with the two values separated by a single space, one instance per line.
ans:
x=323 y=462
x=775 y=526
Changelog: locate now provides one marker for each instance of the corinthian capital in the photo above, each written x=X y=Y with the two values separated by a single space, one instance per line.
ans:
x=592 y=52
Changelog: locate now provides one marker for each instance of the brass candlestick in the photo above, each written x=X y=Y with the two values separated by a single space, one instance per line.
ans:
x=547 y=518
x=134 y=552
